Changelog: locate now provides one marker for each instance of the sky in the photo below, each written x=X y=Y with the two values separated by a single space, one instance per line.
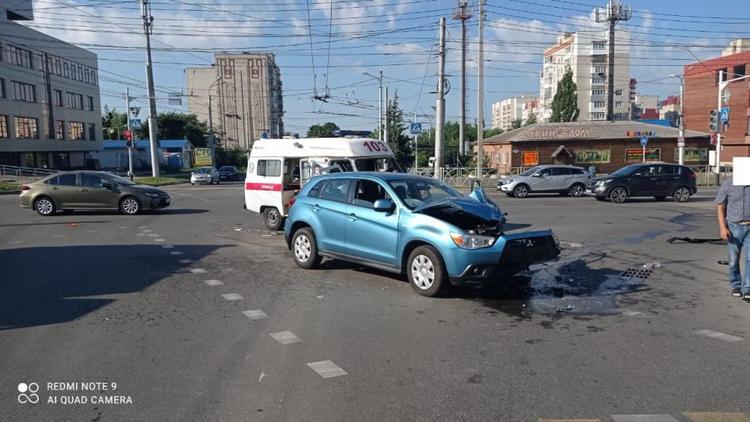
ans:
x=324 y=47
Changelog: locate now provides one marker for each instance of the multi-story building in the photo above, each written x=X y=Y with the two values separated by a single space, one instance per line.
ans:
x=505 y=112
x=586 y=55
x=49 y=96
x=739 y=45
x=669 y=108
x=243 y=93
x=701 y=96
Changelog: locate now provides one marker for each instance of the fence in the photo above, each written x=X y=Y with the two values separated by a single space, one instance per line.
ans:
x=23 y=174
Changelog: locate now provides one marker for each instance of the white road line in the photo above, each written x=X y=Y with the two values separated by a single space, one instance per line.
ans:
x=167 y=246
x=213 y=282
x=717 y=335
x=160 y=240
x=175 y=253
x=152 y=235
x=286 y=337
x=92 y=231
x=232 y=296
x=59 y=235
x=142 y=227
x=198 y=271
x=644 y=418
x=327 y=369
x=186 y=261
x=254 y=314
x=630 y=313
x=147 y=230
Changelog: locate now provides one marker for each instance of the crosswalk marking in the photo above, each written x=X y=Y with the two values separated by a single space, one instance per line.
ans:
x=570 y=420
x=644 y=418
x=718 y=335
x=717 y=416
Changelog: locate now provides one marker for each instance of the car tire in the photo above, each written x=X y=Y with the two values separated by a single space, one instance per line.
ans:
x=681 y=194
x=425 y=271
x=130 y=205
x=577 y=190
x=521 y=191
x=618 y=195
x=305 y=248
x=272 y=219
x=44 y=206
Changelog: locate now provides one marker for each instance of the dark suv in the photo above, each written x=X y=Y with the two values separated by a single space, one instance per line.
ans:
x=659 y=180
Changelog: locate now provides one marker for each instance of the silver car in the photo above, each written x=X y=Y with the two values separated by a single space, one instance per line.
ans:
x=565 y=180
x=205 y=175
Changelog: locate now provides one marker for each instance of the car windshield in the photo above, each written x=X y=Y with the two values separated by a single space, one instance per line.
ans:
x=227 y=168
x=625 y=170
x=203 y=170
x=377 y=164
x=530 y=171
x=417 y=192
x=121 y=181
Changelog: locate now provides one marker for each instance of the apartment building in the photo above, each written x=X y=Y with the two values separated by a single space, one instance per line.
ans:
x=586 y=55
x=49 y=96
x=506 y=111
x=244 y=95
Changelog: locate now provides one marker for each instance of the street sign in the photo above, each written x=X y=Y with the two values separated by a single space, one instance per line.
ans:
x=136 y=124
x=415 y=128
x=135 y=111
x=724 y=114
x=644 y=141
x=681 y=141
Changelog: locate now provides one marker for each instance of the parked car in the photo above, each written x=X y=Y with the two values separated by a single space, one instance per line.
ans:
x=565 y=180
x=409 y=224
x=229 y=173
x=78 y=190
x=205 y=175
x=659 y=180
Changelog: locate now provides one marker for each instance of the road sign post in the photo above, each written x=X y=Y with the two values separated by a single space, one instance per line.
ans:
x=644 y=142
x=415 y=129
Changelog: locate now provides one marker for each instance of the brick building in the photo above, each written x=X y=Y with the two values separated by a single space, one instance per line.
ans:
x=701 y=90
x=604 y=145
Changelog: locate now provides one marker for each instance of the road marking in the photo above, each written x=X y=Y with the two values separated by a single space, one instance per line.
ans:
x=152 y=235
x=198 y=271
x=213 y=282
x=630 y=313
x=59 y=235
x=717 y=416
x=17 y=242
x=254 y=314
x=717 y=335
x=286 y=337
x=147 y=230
x=186 y=261
x=167 y=246
x=232 y=296
x=644 y=418
x=160 y=240
x=327 y=369
x=92 y=231
x=175 y=253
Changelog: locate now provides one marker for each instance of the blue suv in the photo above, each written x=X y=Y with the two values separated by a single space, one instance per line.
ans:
x=409 y=224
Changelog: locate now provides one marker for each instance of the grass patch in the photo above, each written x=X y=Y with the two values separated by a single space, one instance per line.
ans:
x=9 y=186
x=161 y=181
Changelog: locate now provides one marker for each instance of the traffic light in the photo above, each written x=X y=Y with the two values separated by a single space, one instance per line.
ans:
x=713 y=121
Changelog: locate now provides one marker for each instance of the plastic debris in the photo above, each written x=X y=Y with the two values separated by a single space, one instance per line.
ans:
x=652 y=265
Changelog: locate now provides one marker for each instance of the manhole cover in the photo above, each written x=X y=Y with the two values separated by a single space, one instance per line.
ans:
x=635 y=272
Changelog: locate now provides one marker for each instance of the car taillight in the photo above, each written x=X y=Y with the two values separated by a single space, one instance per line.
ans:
x=291 y=201
x=24 y=187
x=692 y=175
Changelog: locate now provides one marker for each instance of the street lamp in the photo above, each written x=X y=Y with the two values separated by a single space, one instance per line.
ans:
x=380 y=103
x=681 y=135
x=722 y=85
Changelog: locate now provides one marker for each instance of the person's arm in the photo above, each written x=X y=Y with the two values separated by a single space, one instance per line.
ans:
x=721 y=215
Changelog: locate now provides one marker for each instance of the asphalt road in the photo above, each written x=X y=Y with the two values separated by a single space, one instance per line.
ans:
x=197 y=313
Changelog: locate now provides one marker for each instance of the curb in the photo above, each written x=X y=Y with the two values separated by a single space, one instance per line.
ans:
x=10 y=192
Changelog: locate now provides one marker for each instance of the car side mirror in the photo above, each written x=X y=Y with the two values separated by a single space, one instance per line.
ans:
x=384 y=205
x=536 y=175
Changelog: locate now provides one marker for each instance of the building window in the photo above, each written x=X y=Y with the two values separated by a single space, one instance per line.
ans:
x=74 y=100
x=597 y=116
x=66 y=69
x=76 y=131
x=90 y=103
x=58 y=98
x=20 y=57
x=92 y=132
x=58 y=66
x=598 y=80
x=597 y=92
x=618 y=104
x=2 y=87
x=3 y=126
x=59 y=129
x=26 y=128
x=738 y=71
x=24 y=92
x=599 y=45
x=599 y=104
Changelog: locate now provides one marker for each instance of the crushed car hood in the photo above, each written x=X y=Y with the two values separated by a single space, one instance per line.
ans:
x=472 y=212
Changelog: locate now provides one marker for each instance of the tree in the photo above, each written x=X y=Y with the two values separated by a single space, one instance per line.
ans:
x=515 y=124
x=565 y=102
x=492 y=132
x=322 y=131
x=174 y=125
x=399 y=142
x=531 y=120
x=113 y=123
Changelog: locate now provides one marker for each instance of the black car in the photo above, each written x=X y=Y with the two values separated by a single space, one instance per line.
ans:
x=659 y=180
x=229 y=173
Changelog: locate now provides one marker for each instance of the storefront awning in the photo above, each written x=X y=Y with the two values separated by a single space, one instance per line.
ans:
x=559 y=150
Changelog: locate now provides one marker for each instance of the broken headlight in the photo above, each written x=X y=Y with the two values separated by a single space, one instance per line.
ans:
x=472 y=241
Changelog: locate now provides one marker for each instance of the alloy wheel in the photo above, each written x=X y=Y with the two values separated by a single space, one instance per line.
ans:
x=44 y=206
x=422 y=272
x=576 y=190
x=618 y=195
x=681 y=194
x=129 y=206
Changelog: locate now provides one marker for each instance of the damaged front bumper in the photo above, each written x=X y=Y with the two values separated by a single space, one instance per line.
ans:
x=511 y=254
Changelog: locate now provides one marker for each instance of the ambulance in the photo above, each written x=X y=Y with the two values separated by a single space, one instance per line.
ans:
x=278 y=168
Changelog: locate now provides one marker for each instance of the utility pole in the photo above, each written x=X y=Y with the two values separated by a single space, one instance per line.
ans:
x=463 y=15
x=681 y=143
x=385 y=128
x=615 y=12
x=148 y=21
x=480 y=95
x=440 y=109
x=130 y=143
x=380 y=103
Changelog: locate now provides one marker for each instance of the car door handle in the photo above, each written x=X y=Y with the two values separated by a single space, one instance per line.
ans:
x=54 y=188
x=652 y=178
x=316 y=208
x=84 y=190
x=353 y=217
